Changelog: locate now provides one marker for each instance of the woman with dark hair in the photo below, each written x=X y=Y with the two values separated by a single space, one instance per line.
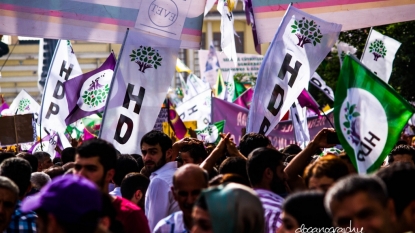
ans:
x=304 y=210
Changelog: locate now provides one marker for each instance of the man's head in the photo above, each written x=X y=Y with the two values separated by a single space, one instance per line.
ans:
x=68 y=155
x=234 y=165
x=292 y=149
x=362 y=202
x=39 y=179
x=44 y=160
x=188 y=182
x=266 y=170
x=18 y=170
x=156 y=149
x=193 y=152
x=402 y=153
x=96 y=160
x=125 y=164
x=251 y=141
x=34 y=163
x=398 y=179
x=67 y=204
x=134 y=187
x=9 y=195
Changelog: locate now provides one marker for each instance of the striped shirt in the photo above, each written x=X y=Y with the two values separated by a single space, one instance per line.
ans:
x=272 y=204
x=171 y=224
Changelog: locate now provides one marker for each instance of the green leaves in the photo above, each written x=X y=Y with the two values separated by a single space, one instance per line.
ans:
x=346 y=124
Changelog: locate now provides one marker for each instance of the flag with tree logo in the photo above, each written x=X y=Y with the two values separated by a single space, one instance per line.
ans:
x=23 y=104
x=211 y=134
x=369 y=115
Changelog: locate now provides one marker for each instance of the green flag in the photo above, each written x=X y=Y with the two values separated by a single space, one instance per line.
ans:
x=239 y=89
x=369 y=115
x=211 y=133
x=220 y=87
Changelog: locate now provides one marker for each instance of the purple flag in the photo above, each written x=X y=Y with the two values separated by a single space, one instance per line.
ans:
x=87 y=93
x=176 y=123
x=4 y=106
x=245 y=99
x=306 y=100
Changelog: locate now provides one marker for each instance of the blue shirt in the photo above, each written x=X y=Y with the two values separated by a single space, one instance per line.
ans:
x=22 y=222
x=171 y=224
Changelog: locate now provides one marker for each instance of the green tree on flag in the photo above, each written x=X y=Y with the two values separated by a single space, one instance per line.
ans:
x=146 y=57
x=211 y=134
x=378 y=49
x=369 y=115
x=307 y=31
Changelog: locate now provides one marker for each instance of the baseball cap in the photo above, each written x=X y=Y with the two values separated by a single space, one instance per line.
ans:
x=67 y=197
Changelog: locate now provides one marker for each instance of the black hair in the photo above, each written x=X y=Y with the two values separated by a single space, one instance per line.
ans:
x=6 y=155
x=133 y=182
x=19 y=171
x=68 y=155
x=402 y=149
x=251 y=141
x=139 y=160
x=99 y=148
x=155 y=137
x=308 y=208
x=397 y=178
x=261 y=159
x=87 y=223
x=234 y=165
x=41 y=156
x=196 y=150
x=31 y=159
x=292 y=149
x=125 y=164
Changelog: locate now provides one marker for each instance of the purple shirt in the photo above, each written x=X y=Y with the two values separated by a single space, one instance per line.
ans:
x=272 y=204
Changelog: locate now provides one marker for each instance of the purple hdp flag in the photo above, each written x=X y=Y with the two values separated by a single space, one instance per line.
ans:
x=4 y=106
x=87 y=93
x=306 y=100
x=245 y=99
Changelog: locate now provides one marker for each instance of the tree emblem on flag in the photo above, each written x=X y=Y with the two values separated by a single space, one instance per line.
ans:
x=96 y=93
x=24 y=104
x=350 y=123
x=206 y=132
x=70 y=46
x=146 y=57
x=306 y=32
x=378 y=49
x=229 y=87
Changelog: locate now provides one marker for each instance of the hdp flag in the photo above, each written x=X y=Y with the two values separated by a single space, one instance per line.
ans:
x=233 y=88
x=225 y=8
x=87 y=93
x=220 y=87
x=23 y=104
x=195 y=86
x=245 y=99
x=211 y=134
x=176 y=123
x=306 y=100
x=369 y=115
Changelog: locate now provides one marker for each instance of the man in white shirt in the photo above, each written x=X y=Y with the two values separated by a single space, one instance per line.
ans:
x=188 y=182
x=156 y=148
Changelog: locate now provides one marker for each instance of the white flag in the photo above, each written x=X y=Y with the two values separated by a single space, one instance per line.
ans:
x=197 y=109
x=230 y=87
x=379 y=54
x=54 y=108
x=23 y=104
x=299 y=121
x=227 y=30
x=142 y=78
x=318 y=82
x=195 y=87
x=343 y=49
x=299 y=46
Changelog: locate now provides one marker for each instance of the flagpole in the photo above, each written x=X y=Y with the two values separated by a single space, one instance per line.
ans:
x=112 y=82
x=327 y=118
x=292 y=122
x=168 y=115
x=367 y=40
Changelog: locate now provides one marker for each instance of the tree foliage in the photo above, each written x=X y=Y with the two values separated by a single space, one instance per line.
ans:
x=306 y=31
x=146 y=57
x=378 y=49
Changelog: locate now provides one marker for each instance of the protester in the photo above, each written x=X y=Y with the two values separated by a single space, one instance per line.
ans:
x=125 y=164
x=68 y=155
x=251 y=141
x=229 y=177
x=96 y=160
x=266 y=173
x=402 y=153
x=292 y=149
x=54 y=171
x=31 y=159
x=192 y=151
x=9 y=197
x=44 y=160
x=134 y=187
x=156 y=148
x=60 y=212
x=234 y=165
x=228 y=208
x=19 y=171
x=361 y=202
x=39 y=179
x=6 y=155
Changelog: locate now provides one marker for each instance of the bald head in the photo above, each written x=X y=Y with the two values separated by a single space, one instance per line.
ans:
x=190 y=172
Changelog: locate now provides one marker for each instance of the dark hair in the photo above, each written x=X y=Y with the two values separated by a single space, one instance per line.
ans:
x=41 y=156
x=397 y=178
x=155 y=137
x=229 y=178
x=308 y=209
x=402 y=149
x=251 y=141
x=261 y=159
x=68 y=155
x=292 y=149
x=201 y=202
x=87 y=223
x=99 y=148
x=234 y=165
x=108 y=210
x=330 y=165
x=196 y=150
x=139 y=160
x=125 y=164
x=19 y=171
x=57 y=161
x=54 y=171
x=6 y=155
x=31 y=159
x=354 y=184
x=133 y=182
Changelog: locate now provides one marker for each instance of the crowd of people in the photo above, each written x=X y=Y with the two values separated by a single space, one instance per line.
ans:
x=187 y=186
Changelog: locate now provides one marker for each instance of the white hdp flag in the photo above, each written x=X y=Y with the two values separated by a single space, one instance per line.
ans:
x=318 y=82
x=195 y=87
x=343 y=49
x=197 y=109
x=299 y=46
x=145 y=68
x=230 y=87
x=54 y=108
x=227 y=30
x=23 y=104
x=299 y=121
x=379 y=54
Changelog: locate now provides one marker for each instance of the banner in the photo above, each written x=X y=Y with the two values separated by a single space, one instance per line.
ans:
x=197 y=109
x=352 y=14
x=64 y=66
x=369 y=115
x=209 y=66
x=300 y=45
x=318 y=82
x=379 y=54
x=20 y=124
x=145 y=68
x=104 y=21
